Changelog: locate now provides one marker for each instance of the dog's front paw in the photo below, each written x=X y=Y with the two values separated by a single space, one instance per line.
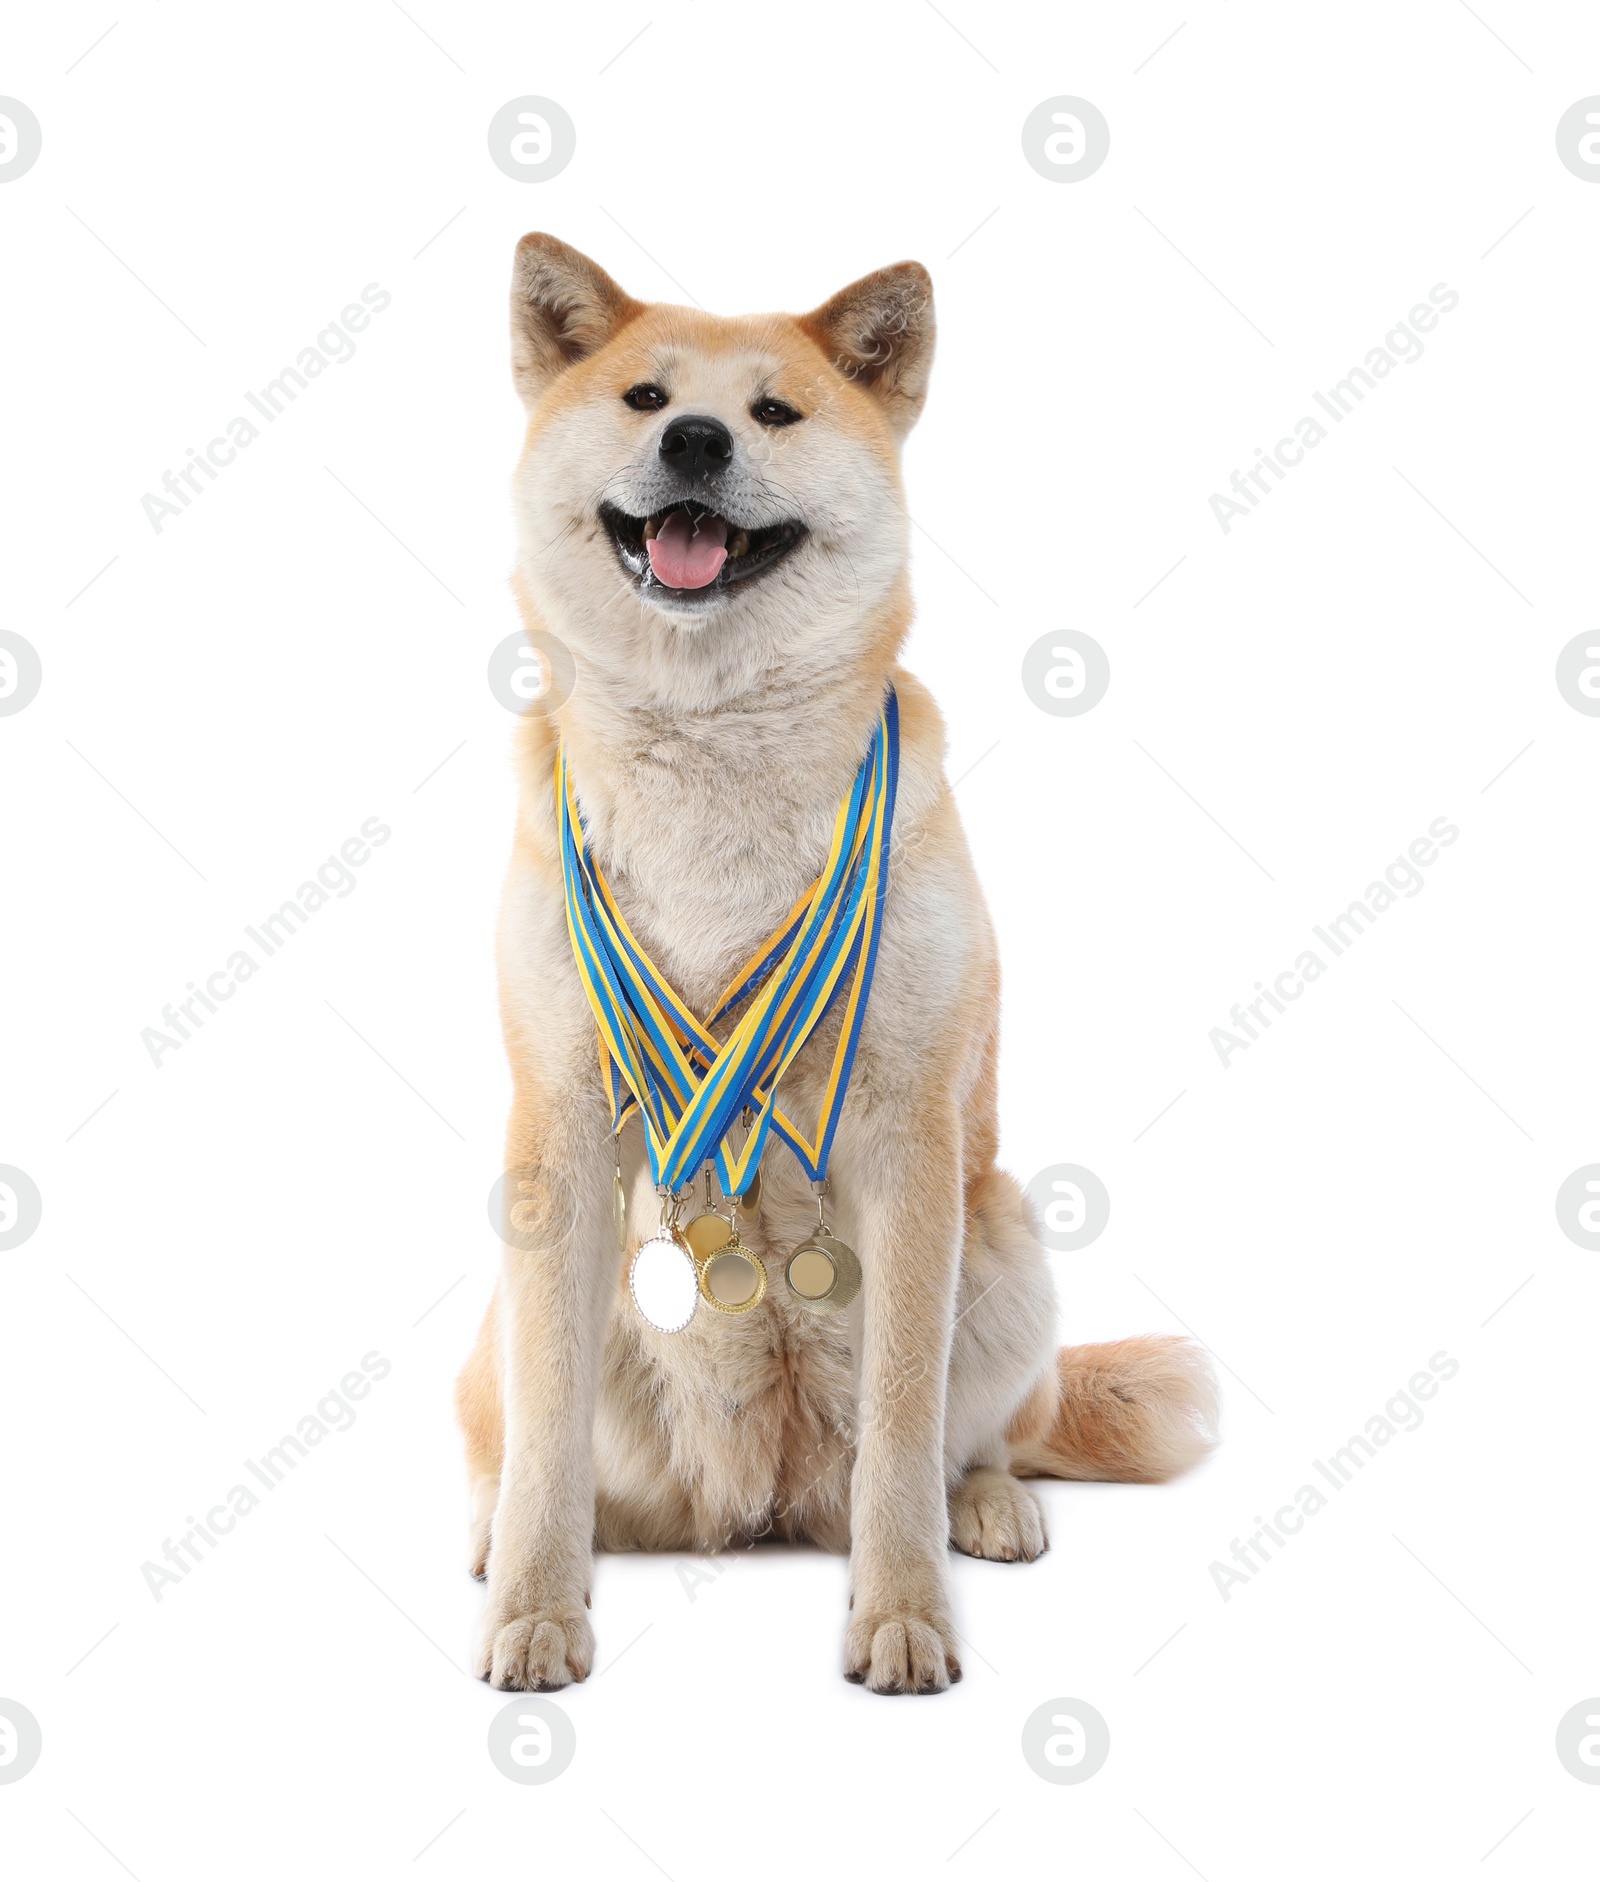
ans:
x=994 y=1516
x=904 y=1651
x=536 y=1652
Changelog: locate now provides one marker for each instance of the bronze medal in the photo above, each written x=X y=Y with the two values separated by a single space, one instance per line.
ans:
x=823 y=1273
x=749 y=1204
x=663 y=1280
x=734 y=1279
x=750 y=1201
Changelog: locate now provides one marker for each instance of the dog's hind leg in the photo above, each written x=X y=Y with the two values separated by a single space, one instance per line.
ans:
x=994 y=1516
x=1126 y=1411
x=1004 y=1339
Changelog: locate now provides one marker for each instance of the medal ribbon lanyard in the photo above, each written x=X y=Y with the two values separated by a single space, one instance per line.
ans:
x=661 y=1021
x=649 y=1039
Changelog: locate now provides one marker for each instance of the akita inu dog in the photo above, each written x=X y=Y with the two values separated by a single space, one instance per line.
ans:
x=711 y=525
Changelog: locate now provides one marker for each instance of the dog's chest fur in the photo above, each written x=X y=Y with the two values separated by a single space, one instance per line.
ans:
x=708 y=830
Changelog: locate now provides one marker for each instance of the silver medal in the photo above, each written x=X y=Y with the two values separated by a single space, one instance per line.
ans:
x=665 y=1282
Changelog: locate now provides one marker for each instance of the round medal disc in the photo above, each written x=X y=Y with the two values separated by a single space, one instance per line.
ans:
x=663 y=1282
x=706 y=1234
x=823 y=1274
x=733 y=1280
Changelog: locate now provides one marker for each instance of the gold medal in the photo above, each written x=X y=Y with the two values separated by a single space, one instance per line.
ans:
x=708 y=1231
x=823 y=1273
x=734 y=1280
x=706 y=1234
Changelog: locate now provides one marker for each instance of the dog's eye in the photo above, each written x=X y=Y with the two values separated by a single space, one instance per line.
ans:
x=775 y=412
x=645 y=398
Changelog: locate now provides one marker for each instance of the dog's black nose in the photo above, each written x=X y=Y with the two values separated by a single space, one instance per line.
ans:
x=696 y=446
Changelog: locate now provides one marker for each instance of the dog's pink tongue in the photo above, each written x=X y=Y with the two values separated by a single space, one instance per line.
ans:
x=683 y=555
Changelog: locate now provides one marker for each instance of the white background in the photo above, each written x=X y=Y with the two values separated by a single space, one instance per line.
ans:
x=305 y=1181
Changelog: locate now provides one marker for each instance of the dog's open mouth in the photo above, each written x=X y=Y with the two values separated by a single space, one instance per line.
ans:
x=692 y=553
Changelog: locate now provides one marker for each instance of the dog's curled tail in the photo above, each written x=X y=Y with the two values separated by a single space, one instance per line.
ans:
x=1128 y=1411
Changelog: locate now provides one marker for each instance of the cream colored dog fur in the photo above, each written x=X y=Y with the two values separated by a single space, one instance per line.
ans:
x=712 y=738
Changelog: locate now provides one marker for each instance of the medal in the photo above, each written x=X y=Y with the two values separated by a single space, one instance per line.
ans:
x=734 y=1280
x=706 y=1234
x=662 y=1282
x=730 y=1278
x=749 y=1202
x=823 y=1273
x=708 y=1231
x=663 y=1278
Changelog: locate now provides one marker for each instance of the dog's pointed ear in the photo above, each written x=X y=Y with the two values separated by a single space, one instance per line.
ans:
x=879 y=333
x=563 y=308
